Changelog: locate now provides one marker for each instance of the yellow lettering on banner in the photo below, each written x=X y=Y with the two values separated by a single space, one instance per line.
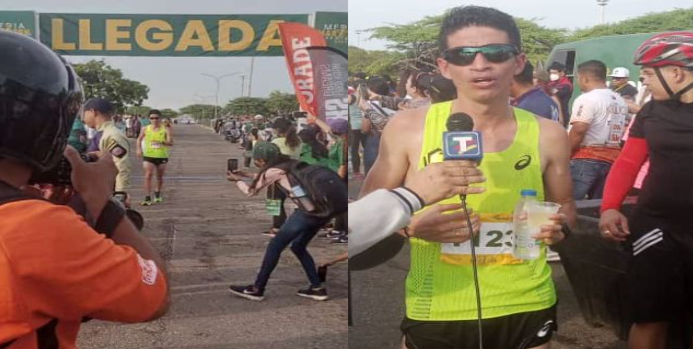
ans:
x=58 y=36
x=247 y=35
x=163 y=38
x=195 y=34
x=271 y=36
x=113 y=34
x=85 y=43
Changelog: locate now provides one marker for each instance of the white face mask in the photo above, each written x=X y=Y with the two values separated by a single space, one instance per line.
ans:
x=554 y=77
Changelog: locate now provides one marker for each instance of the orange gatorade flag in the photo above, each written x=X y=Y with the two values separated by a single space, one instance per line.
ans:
x=296 y=38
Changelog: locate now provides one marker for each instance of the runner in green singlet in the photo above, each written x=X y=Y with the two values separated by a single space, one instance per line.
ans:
x=481 y=52
x=156 y=140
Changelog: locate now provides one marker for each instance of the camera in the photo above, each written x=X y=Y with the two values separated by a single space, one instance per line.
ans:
x=60 y=175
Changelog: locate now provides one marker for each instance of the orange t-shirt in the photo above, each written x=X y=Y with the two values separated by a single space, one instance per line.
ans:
x=54 y=266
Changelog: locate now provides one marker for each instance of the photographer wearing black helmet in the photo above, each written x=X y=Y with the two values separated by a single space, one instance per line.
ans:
x=57 y=267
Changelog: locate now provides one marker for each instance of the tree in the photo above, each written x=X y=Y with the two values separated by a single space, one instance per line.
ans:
x=373 y=62
x=246 y=106
x=281 y=103
x=200 y=111
x=418 y=41
x=138 y=110
x=101 y=80
x=674 y=20
x=169 y=113
x=538 y=41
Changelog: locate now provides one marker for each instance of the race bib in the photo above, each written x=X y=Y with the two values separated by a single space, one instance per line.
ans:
x=273 y=207
x=493 y=246
x=616 y=125
x=156 y=145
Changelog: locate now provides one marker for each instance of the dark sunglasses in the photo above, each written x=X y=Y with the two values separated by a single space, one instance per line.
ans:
x=154 y=118
x=494 y=53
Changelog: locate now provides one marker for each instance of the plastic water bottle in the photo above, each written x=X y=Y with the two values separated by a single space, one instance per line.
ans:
x=524 y=245
x=302 y=198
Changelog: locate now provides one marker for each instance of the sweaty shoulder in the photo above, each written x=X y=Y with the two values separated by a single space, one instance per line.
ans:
x=551 y=130
x=553 y=140
x=407 y=121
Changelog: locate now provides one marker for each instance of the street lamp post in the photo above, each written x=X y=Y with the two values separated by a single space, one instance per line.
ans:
x=217 y=79
x=242 y=85
x=603 y=4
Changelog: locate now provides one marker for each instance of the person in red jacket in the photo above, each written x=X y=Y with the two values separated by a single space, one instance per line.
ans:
x=560 y=87
x=660 y=274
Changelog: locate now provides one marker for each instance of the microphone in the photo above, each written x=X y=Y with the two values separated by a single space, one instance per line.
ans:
x=461 y=143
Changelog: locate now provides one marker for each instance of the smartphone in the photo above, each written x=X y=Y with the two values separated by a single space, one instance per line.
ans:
x=363 y=91
x=232 y=165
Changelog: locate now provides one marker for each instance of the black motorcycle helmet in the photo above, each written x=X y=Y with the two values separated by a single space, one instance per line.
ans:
x=40 y=98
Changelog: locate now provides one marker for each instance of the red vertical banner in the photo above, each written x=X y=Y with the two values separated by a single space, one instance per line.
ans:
x=296 y=38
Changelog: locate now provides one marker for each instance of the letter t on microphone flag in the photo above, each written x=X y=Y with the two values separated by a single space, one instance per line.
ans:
x=331 y=75
x=296 y=38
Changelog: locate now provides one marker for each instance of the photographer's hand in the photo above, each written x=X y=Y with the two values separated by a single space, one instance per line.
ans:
x=93 y=181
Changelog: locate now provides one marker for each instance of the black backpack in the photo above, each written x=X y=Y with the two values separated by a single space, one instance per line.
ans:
x=326 y=190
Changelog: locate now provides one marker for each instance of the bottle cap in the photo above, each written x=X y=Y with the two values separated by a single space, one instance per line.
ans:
x=528 y=192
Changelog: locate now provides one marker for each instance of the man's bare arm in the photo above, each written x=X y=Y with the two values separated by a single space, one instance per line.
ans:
x=391 y=166
x=558 y=183
x=577 y=134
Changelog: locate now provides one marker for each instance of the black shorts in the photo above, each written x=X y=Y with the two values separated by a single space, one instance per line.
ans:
x=660 y=272
x=516 y=331
x=156 y=161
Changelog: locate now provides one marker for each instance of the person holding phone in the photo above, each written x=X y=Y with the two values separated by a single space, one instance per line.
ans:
x=98 y=114
x=300 y=228
x=157 y=139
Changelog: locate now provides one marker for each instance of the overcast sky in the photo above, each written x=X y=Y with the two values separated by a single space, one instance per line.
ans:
x=365 y=14
x=174 y=81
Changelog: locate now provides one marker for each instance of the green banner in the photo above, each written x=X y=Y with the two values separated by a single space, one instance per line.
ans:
x=333 y=25
x=164 y=35
x=21 y=22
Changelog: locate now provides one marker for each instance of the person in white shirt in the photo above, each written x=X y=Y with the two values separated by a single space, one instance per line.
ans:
x=597 y=124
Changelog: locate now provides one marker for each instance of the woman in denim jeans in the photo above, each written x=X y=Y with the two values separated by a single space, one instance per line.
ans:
x=300 y=228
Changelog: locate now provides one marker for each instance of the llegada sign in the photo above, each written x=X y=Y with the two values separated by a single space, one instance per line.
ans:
x=164 y=35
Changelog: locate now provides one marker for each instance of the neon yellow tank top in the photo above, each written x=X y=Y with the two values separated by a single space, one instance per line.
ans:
x=154 y=143
x=440 y=284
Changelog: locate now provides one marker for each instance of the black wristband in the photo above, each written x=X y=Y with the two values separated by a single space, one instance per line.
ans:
x=566 y=230
x=110 y=217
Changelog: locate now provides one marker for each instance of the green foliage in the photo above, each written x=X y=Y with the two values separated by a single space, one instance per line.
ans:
x=246 y=106
x=537 y=41
x=141 y=110
x=101 y=80
x=169 y=113
x=415 y=44
x=199 y=111
x=374 y=62
x=679 y=19
x=281 y=103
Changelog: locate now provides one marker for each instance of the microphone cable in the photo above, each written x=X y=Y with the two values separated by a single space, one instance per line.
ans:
x=463 y=198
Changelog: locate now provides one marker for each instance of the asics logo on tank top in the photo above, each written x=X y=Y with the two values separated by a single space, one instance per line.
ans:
x=523 y=162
